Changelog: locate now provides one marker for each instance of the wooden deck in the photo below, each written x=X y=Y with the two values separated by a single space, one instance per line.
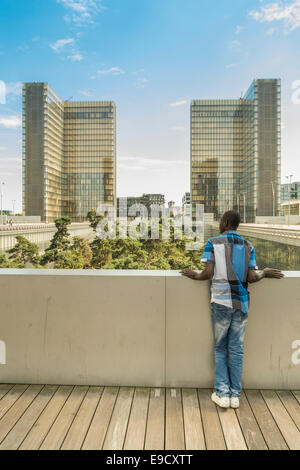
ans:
x=114 y=418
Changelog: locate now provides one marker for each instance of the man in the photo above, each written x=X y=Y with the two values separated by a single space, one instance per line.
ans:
x=230 y=264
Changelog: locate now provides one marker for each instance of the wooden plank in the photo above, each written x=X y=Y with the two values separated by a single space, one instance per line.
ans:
x=116 y=431
x=11 y=397
x=80 y=425
x=98 y=428
x=296 y=394
x=285 y=423
x=58 y=431
x=211 y=423
x=155 y=431
x=4 y=388
x=291 y=404
x=231 y=429
x=16 y=411
x=25 y=423
x=41 y=427
x=268 y=426
x=135 y=435
x=250 y=428
x=193 y=429
x=174 y=420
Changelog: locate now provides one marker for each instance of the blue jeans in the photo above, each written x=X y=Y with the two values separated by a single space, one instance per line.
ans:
x=229 y=327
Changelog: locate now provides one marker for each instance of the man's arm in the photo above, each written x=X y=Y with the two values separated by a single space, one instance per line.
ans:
x=205 y=275
x=254 y=276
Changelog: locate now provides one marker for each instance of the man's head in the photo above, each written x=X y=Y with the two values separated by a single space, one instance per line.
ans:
x=230 y=221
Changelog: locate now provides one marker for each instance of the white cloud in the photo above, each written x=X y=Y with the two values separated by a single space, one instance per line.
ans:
x=87 y=93
x=10 y=122
x=234 y=44
x=59 y=45
x=67 y=46
x=288 y=13
x=111 y=71
x=22 y=48
x=141 y=82
x=148 y=164
x=76 y=57
x=175 y=104
x=10 y=160
x=14 y=88
x=270 y=31
x=137 y=72
x=10 y=165
x=81 y=11
x=239 y=29
x=231 y=66
x=178 y=128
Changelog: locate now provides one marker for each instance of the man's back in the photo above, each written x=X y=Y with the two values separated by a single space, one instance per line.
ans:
x=232 y=256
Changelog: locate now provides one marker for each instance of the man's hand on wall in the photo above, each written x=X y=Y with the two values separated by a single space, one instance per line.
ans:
x=188 y=273
x=275 y=273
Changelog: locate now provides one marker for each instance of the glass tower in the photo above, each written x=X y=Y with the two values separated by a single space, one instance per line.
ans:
x=69 y=154
x=235 y=152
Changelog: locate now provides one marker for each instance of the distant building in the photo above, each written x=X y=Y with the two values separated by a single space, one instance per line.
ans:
x=69 y=154
x=292 y=208
x=285 y=195
x=235 y=152
x=174 y=211
x=186 y=204
x=153 y=199
x=146 y=200
x=124 y=204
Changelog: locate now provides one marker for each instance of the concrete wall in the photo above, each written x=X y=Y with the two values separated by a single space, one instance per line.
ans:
x=138 y=328
x=41 y=234
x=22 y=219
x=280 y=220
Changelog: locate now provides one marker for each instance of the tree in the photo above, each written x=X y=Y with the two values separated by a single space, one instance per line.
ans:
x=59 y=243
x=94 y=219
x=148 y=254
x=24 y=251
x=6 y=263
x=78 y=256
x=83 y=250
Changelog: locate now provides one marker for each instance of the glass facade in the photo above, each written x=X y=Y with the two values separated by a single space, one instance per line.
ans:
x=235 y=152
x=216 y=148
x=89 y=157
x=69 y=154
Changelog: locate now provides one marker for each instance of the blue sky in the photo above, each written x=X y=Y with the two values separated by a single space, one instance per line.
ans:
x=151 y=57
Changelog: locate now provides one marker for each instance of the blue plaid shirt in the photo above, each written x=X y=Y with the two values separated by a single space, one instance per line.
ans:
x=232 y=256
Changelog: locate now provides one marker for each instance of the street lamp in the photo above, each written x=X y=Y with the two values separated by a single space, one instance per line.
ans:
x=273 y=193
x=1 y=194
x=244 y=198
x=289 y=195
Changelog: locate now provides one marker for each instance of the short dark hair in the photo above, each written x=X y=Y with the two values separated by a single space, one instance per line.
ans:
x=231 y=219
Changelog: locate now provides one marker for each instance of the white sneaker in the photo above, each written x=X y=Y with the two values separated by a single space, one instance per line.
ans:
x=223 y=402
x=234 y=402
